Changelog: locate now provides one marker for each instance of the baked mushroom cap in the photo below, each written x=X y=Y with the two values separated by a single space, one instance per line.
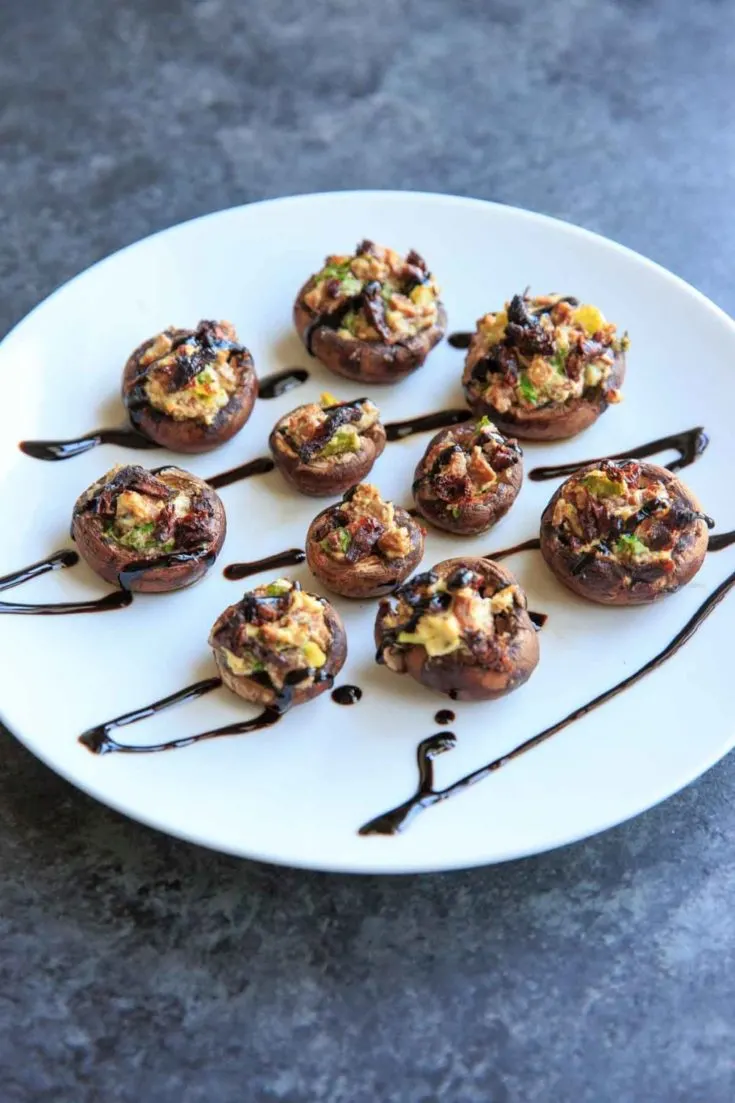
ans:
x=364 y=546
x=279 y=646
x=624 y=532
x=468 y=478
x=461 y=628
x=544 y=368
x=372 y=315
x=190 y=390
x=149 y=531
x=325 y=447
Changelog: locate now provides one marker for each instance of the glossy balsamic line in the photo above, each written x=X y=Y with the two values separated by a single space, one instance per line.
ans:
x=390 y=823
x=460 y=340
x=398 y=819
x=442 y=419
x=135 y=570
x=55 y=562
x=346 y=695
x=690 y=444
x=273 y=386
x=99 y=741
x=59 y=560
x=528 y=545
x=444 y=717
x=67 y=449
x=538 y=620
x=118 y=599
x=721 y=540
x=289 y=558
x=260 y=466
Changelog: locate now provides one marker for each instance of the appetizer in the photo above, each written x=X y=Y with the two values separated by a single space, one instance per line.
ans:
x=461 y=628
x=544 y=368
x=363 y=546
x=279 y=646
x=373 y=316
x=468 y=478
x=190 y=390
x=325 y=447
x=624 y=533
x=149 y=531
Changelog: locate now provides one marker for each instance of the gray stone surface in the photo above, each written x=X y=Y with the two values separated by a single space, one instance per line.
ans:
x=137 y=968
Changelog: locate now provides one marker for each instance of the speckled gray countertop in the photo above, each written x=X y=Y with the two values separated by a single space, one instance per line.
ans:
x=137 y=968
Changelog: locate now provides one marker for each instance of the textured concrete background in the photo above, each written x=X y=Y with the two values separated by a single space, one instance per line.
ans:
x=136 y=968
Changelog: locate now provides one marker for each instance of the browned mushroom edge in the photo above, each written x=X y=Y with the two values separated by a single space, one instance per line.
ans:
x=544 y=368
x=363 y=546
x=468 y=478
x=624 y=532
x=325 y=447
x=373 y=316
x=190 y=390
x=279 y=646
x=149 y=531
x=461 y=628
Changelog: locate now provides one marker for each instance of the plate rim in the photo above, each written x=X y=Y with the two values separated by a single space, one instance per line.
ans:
x=325 y=865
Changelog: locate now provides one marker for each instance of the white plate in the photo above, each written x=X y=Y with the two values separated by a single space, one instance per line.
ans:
x=298 y=793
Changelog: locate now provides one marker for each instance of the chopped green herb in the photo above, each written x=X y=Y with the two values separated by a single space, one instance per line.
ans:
x=335 y=271
x=628 y=544
x=257 y=666
x=484 y=423
x=350 y=285
x=559 y=360
x=278 y=588
x=600 y=486
x=455 y=511
x=345 y=439
x=527 y=389
x=349 y=322
x=202 y=378
x=168 y=546
x=344 y=539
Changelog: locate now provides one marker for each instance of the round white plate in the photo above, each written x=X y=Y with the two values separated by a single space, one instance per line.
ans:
x=298 y=793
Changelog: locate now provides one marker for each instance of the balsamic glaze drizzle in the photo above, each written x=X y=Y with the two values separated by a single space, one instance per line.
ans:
x=260 y=466
x=280 y=382
x=118 y=599
x=67 y=449
x=721 y=540
x=57 y=561
x=346 y=695
x=289 y=558
x=270 y=386
x=460 y=340
x=528 y=545
x=169 y=559
x=397 y=819
x=442 y=419
x=444 y=717
x=99 y=741
x=690 y=444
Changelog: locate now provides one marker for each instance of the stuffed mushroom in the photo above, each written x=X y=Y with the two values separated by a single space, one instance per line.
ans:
x=325 y=447
x=461 y=628
x=468 y=478
x=149 y=531
x=364 y=546
x=624 y=533
x=279 y=645
x=544 y=368
x=373 y=315
x=190 y=390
